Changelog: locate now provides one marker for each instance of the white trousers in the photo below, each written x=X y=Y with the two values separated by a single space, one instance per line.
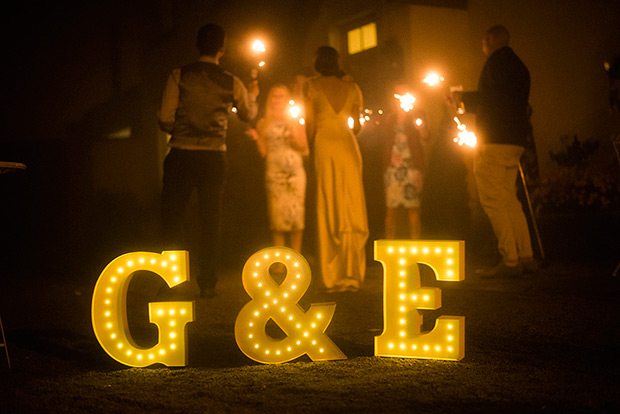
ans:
x=495 y=169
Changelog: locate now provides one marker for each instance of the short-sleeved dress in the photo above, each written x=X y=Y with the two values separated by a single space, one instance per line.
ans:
x=285 y=179
x=403 y=178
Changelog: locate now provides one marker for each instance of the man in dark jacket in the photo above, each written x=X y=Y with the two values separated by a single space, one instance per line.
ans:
x=195 y=108
x=501 y=105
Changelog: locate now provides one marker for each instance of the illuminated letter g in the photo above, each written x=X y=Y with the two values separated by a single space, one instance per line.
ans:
x=109 y=310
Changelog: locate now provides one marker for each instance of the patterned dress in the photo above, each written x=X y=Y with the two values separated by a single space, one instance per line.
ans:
x=403 y=182
x=285 y=179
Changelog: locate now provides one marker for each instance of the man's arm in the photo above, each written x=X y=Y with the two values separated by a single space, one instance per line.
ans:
x=169 y=102
x=245 y=101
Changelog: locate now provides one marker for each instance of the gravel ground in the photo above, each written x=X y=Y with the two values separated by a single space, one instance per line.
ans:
x=544 y=343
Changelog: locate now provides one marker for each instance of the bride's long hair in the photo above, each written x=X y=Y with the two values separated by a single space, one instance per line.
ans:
x=326 y=62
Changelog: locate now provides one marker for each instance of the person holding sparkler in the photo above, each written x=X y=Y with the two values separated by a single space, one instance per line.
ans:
x=196 y=103
x=281 y=139
x=404 y=163
x=501 y=108
x=333 y=107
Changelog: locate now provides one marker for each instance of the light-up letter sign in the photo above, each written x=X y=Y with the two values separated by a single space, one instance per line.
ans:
x=304 y=330
x=109 y=310
x=403 y=295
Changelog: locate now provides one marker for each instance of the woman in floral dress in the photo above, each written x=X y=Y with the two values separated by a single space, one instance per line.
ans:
x=404 y=166
x=281 y=140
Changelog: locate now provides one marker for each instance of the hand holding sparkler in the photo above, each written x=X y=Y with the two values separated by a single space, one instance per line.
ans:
x=258 y=49
x=406 y=102
x=464 y=137
x=297 y=137
x=295 y=112
x=454 y=98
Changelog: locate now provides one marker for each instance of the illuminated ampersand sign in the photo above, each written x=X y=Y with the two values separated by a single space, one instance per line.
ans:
x=109 y=310
x=305 y=330
x=403 y=295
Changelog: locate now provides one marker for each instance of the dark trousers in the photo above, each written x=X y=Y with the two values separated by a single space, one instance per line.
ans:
x=186 y=171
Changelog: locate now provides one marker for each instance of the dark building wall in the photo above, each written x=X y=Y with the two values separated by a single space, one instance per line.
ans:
x=80 y=71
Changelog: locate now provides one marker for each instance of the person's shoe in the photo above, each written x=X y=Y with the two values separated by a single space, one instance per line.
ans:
x=499 y=271
x=208 y=293
x=529 y=265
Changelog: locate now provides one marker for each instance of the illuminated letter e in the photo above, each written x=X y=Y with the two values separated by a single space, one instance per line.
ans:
x=403 y=295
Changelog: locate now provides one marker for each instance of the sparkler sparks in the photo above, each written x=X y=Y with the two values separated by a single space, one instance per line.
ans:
x=258 y=48
x=433 y=79
x=406 y=101
x=464 y=137
x=295 y=112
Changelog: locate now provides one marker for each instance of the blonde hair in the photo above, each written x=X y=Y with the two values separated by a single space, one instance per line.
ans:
x=270 y=115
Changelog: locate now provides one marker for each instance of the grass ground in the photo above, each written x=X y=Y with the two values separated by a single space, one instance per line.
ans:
x=546 y=343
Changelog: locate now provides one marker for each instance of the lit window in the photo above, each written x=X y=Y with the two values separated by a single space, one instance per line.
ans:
x=362 y=38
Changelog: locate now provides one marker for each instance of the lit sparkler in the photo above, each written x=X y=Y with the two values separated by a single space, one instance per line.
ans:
x=433 y=79
x=362 y=120
x=406 y=101
x=258 y=48
x=464 y=137
x=294 y=112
